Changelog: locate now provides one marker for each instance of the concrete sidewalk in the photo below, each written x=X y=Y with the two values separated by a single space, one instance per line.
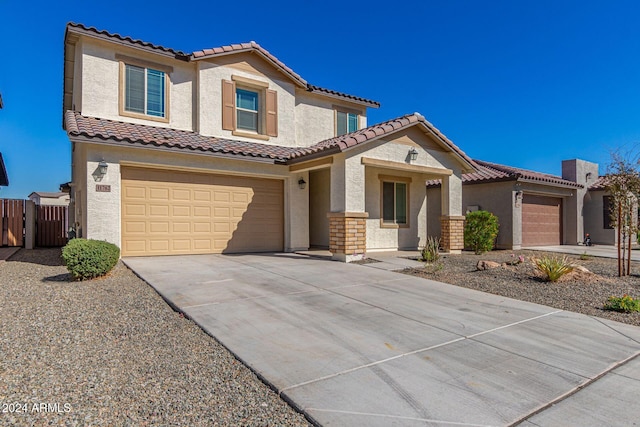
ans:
x=352 y=345
x=603 y=251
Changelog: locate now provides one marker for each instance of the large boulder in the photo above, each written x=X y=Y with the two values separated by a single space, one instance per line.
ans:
x=487 y=265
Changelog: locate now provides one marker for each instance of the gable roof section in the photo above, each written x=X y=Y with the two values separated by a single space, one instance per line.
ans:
x=492 y=172
x=127 y=134
x=371 y=133
x=4 y=178
x=252 y=47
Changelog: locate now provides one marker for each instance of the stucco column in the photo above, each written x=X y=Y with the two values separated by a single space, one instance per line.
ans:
x=452 y=220
x=297 y=206
x=347 y=219
x=516 y=218
x=103 y=202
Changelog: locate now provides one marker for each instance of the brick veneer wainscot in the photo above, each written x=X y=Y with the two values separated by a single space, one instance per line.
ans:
x=452 y=233
x=348 y=232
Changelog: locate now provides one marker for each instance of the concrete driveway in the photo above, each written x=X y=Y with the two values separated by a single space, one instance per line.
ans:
x=354 y=345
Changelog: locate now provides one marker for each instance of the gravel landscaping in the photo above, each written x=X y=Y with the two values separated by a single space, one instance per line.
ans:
x=112 y=352
x=579 y=292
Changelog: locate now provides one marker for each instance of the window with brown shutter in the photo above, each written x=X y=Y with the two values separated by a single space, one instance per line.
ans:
x=249 y=108
x=228 y=105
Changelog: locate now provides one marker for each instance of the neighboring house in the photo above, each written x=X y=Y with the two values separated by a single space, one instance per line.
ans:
x=229 y=150
x=41 y=198
x=4 y=178
x=533 y=208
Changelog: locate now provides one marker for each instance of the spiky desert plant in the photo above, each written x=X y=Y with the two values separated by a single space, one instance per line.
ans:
x=553 y=267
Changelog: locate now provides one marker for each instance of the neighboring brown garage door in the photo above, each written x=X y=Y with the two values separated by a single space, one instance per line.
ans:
x=167 y=213
x=541 y=220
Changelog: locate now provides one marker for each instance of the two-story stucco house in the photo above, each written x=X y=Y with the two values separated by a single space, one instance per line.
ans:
x=228 y=150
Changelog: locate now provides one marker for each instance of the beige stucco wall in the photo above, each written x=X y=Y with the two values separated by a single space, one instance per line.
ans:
x=315 y=117
x=499 y=199
x=100 y=211
x=211 y=75
x=100 y=84
x=594 y=219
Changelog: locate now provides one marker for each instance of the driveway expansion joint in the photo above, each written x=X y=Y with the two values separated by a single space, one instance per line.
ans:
x=399 y=356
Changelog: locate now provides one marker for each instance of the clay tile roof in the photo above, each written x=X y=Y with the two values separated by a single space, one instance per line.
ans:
x=92 y=31
x=493 y=172
x=249 y=47
x=518 y=173
x=600 y=183
x=343 y=142
x=134 y=134
x=369 y=102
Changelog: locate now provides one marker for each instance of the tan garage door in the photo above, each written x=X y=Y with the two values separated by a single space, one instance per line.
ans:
x=167 y=213
x=541 y=220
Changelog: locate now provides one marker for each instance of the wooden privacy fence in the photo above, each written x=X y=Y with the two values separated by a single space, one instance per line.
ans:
x=52 y=223
x=12 y=214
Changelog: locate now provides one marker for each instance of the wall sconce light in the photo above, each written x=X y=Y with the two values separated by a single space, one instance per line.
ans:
x=413 y=153
x=589 y=176
x=102 y=167
x=302 y=183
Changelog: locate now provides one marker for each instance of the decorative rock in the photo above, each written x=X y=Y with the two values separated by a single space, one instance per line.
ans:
x=581 y=268
x=487 y=265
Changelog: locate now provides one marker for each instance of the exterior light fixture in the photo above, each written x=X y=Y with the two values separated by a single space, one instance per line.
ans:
x=413 y=153
x=589 y=176
x=102 y=167
x=302 y=183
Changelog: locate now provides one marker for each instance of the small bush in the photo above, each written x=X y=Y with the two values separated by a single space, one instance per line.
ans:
x=553 y=267
x=625 y=304
x=431 y=251
x=87 y=259
x=480 y=231
x=585 y=256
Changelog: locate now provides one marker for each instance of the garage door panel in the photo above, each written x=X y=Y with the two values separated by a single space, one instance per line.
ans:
x=135 y=210
x=166 y=212
x=180 y=194
x=158 y=193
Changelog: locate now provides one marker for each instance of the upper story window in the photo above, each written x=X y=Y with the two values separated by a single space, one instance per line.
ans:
x=346 y=121
x=144 y=89
x=249 y=108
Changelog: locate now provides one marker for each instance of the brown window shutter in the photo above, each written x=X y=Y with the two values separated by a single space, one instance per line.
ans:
x=272 y=112
x=228 y=105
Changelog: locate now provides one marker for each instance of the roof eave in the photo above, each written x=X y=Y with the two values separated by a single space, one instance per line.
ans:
x=364 y=102
x=469 y=165
x=99 y=140
x=125 y=41
x=549 y=183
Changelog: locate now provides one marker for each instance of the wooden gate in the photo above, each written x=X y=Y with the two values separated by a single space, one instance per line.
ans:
x=51 y=225
x=12 y=214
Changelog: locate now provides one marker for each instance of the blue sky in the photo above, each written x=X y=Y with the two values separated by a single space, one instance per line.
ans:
x=526 y=84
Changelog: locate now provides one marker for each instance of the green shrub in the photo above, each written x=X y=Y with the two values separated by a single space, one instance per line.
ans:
x=86 y=258
x=431 y=251
x=625 y=304
x=585 y=256
x=553 y=267
x=480 y=231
